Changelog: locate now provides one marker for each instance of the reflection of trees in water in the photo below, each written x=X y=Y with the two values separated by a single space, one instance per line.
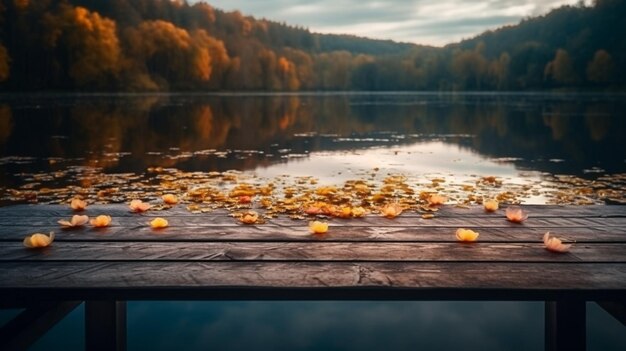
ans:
x=97 y=129
x=6 y=123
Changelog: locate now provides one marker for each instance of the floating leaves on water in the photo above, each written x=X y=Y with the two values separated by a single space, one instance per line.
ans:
x=490 y=205
x=436 y=200
x=555 y=244
x=392 y=210
x=169 y=199
x=515 y=214
x=469 y=235
x=318 y=227
x=78 y=204
x=75 y=221
x=38 y=240
x=293 y=197
x=101 y=221
x=159 y=223
x=139 y=206
x=358 y=212
x=245 y=199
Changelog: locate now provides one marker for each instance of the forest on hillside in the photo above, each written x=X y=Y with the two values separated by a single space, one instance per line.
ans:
x=165 y=45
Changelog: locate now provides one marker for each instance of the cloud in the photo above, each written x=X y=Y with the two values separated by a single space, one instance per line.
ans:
x=419 y=21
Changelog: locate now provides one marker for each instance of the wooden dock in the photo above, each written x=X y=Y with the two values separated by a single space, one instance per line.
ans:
x=214 y=257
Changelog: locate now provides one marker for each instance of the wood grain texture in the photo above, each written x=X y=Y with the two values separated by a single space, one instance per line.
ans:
x=313 y=251
x=223 y=220
x=312 y=280
x=212 y=256
x=299 y=232
x=121 y=210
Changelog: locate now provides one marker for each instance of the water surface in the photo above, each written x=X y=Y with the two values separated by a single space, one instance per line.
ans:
x=547 y=147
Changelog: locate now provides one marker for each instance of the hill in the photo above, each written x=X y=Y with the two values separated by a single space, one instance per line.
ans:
x=161 y=45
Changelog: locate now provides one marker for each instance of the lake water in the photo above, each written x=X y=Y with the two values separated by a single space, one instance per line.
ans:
x=543 y=148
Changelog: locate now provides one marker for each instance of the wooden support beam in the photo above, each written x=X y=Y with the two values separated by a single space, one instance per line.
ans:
x=105 y=325
x=565 y=325
x=617 y=309
x=27 y=327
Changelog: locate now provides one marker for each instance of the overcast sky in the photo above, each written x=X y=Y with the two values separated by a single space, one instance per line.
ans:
x=431 y=22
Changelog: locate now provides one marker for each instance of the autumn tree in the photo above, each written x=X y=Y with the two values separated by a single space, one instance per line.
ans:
x=600 y=69
x=561 y=69
x=499 y=71
x=89 y=42
x=469 y=68
x=288 y=76
x=303 y=65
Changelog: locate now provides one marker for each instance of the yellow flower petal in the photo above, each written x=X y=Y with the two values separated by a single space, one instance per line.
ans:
x=318 y=227
x=463 y=234
x=159 y=223
x=101 y=221
x=38 y=240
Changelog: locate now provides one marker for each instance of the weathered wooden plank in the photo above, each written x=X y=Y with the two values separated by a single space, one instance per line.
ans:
x=312 y=280
x=312 y=251
x=299 y=232
x=217 y=220
x=121 y=210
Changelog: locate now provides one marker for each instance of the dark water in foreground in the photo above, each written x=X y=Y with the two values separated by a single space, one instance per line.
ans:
x=536 y=140
x=336 y=326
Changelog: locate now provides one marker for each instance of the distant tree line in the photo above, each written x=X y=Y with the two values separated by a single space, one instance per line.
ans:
x=160 y=45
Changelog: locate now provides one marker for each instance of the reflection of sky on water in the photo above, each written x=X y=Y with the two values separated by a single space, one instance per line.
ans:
x=336 y=326
x=516 y=136
x=430 y=158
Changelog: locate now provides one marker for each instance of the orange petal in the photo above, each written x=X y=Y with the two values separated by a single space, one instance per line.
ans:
x=491 y=205
x=76 y=221
x=158 y=223
x=436 y=199
x=245 y=199
x=391 y=210
x=169 y=199
x=38 y=240
x=358 y=211
x=101 y=221
x=318 y=227
x=139 y=206
x=65 y=223
x=515 y=214
x=78 y=204
x=555 y=244
x=466 y=235
x=249 y=217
